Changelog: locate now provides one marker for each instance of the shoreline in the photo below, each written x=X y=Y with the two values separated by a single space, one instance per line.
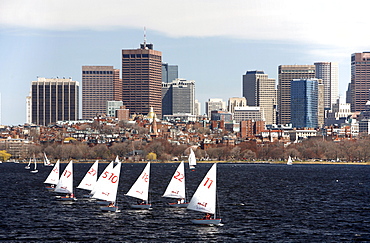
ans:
x=214 y=161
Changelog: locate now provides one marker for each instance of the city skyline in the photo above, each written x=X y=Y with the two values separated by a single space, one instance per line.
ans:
x=213 y=43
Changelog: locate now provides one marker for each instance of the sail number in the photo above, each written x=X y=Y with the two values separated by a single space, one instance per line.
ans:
x=208 y=182
x=179 y=176
x=92 y=172
x=110 y=176
x=55 y=170
x=67 y=173
x=145 y=177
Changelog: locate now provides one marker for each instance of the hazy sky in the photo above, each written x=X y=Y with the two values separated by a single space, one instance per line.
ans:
x=214 y=42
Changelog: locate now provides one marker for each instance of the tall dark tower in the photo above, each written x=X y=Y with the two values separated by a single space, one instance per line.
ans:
x=142 y=79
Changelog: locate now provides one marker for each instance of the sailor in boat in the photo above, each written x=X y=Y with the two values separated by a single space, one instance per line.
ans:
x=111 y=205
x=207 y=216
x=180 y=201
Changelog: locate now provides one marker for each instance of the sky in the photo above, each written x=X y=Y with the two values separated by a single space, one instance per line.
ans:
x=214 y=42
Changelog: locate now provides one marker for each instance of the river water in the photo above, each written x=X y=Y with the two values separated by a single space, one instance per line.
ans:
x=257 y=203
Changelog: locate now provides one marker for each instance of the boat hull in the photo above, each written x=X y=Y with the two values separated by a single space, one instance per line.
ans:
x=66 y=198
x=140 y=206
x=179 y=205
x=103 y=203
x=34 y=171
x=109 y=209
x=206 y=221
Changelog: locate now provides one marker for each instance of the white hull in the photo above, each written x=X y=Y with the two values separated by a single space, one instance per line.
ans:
x=179 y=205
x=191 y=167
x=59 y=198
x=109 y=209
x=206 y=221
x=27 y=167
x=34 y=171
x=141 y=206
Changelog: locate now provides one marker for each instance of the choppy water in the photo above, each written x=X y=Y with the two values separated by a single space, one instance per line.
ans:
x=258 y=203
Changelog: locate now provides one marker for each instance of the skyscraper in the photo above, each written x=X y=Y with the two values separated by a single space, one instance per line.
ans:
x=304 y=103
x=286 y=74
x=142 y=79
x=360 y=80
x=99 y=85
x=178 y=96
x=53 y=100
x=328 y=72
x=259 y=90
x=169 y=72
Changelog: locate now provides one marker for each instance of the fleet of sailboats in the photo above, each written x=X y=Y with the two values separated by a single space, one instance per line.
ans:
x=105 y=188
x=140 y=189
x=176 y=188
x=204 y=199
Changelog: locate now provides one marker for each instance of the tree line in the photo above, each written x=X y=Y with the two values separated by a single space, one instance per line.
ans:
x=310 y=149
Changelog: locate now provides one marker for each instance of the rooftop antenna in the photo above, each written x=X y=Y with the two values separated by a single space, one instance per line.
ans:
x=144 y=37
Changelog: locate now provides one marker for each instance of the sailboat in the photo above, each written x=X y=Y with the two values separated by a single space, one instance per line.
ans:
x=140 y=189
x=53 y=177
x=90 y=179
x=47 y=161
x=65 y=184
x=27 y=167
x=117 y=160
x=204 y=199
x=192 y=160
x=108 y=187
x=290 y=161
x=176 y=188
x=35 y=170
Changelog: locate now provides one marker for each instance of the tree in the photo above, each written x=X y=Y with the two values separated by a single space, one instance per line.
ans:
x=151 y=156
x=4 y=156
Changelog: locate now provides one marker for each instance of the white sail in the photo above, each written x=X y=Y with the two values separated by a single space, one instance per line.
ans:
x=35 y=170
x=27 y=167
x=108 y=168
x=117 y=160
x=89 y=180
x=290 y=161
x=192 y=160
x=53 y=177
x=65 y=184
x=46 y=161
x=108 y=184
x=204 y=198
x=176 y=187
x=140 y=189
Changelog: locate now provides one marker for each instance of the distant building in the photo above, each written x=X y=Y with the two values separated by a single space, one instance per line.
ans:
x=99 y=85
x=113 y=106
x=360 y=80
x=197 y=108
x=221 y=116
x=178 y=96
x=236 y=102
x=215 y=105
x=286 y=74
x=169 y=72
x=328 y=73
x=142 y=79
x=260 y=90
x=304 y=103
x=123 y=114
x=53 y=100
x=339 y=113
x=248 y=113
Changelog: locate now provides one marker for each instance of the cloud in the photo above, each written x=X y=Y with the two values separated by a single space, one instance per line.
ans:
x=330 y=22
